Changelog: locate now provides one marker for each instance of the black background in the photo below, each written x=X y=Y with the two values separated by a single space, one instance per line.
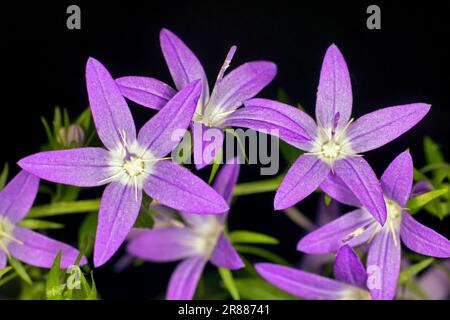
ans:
x=43 y=62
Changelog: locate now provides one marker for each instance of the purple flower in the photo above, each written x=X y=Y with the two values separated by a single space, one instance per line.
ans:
x=335 y=143
x=350 y=283
x=129 y=163
x=196 y=241
x=358 y=227
x=218 y=109
x=23 y=244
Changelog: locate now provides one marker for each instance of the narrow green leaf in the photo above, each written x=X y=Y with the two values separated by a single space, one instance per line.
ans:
x=61 y=208
x=4 y=175
x=244 y=236
x=408 y=273
x=216 y=164
x=4 y=271
x=54 y=289
x=421 y=200
x=84 y=119
x=86 y=234
x=267 y=185
x=259 y=289
x=228 y=281
x=57 y=121
x=21 y=272
x=48 y=132
x=432 y=152
x=419 y=176
x=260 y=252
x=40 y=224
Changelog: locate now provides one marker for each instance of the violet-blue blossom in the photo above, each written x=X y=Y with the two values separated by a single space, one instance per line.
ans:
x=350 y=283
x=335 y=143
x=359 y=227
x=195 y=241
x=129 y=163
x=28 y=246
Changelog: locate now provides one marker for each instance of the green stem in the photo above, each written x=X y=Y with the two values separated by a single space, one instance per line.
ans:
x=267 y=185
x=59 y=208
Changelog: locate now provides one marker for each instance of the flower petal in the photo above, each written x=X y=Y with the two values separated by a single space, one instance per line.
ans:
x=110 y=111
x=397 y=179
x=359 y=177
x=178 y=188
x=243 y=83
x=334 y=95
x=164 y=131
x=302 y=284
x=338 y=190
x=377 y=128
x=207 y=143
x=227 y=178
x=327 y=213
x=83 y=167
x=183 y=65
x=348 y=268
x=383 y=265
x=118 y=211
x=3 y=260
x=185 y=278
x=225 y=256
x=18 y=196
x=420 y=187
x=149 y=92
x=40 y=251
x=353 y=228
x=164 y=244
x=422 y=239
x=301 y=180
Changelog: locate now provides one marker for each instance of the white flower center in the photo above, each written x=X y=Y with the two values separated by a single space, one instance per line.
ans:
x=134 y=166
x=355 y=293
x=331 y=149
x=208 y=235
x=211 y=118
x=6 y=230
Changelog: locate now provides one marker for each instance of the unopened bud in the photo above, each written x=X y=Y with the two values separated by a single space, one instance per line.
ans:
x=75 y=135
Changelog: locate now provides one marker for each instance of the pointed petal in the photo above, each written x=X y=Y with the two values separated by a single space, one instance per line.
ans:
x=40 y=251
x=207 y=143
x=397 y=179
x=185 y=278
x=183 y=65
x=301 y=180
x=302 y=284
x=348 y=268
x=338 y=190
x=83 y=167
x=225 y=256
x=178 y=188
x=111 y=114
x=149 y=92
x=164 y=244
x=383 y=265
x=353 y=228
x=377 y=128
x=227 y=178
x=118 y=211
x=243 y=83
x=334 y=94
x=164 y=131
x=422 y=239
x=18 y=196
x=359 y=177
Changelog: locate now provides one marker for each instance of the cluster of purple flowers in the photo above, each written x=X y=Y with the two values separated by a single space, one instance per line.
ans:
x=132 y=163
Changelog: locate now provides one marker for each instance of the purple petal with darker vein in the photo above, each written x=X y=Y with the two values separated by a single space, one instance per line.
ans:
x=397 y=179
x=83 y=167
x=225 y=256
x=241 y=84
x=18 y=196
x=178 y=188
x=359 y=177
x=149 y=92
x=334 y=94
x=377 y=128
x=111 y=114
x=40 y=251
x=118 y=211
x=164 y=244
x=302 y=284
x=338 y=190
x=353 y=228
x=421 y=187
x=422 y=239
x=348 y=268
x=185 y=278
x=305 y=175
x=207 y=143
x=182 y=62
x=383 y=265
x=162 y=133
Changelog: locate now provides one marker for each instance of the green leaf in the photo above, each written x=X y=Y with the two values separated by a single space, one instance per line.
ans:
x=260 y=252
x=267 y=185
x=419 y=176
x=57 y=121
x=20 y=270
x=62 y=208
x=421 y=200
x=216 y=164
x=86 y=234
x=4 y=271
x=4 y=175
x=244 y=236
x=54 y=289
x=327 y=200
x=84 y=119
x=408 y=273
x=432 y=152
x=48 y=132
x=40 y=224
x=228 y=281
x=259 y=289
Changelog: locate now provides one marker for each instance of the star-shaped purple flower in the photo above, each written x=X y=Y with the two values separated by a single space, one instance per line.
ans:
x=350 y=283
x=216 y=110
x=129 y=163
x=21 y=243
x=335 y=143
x=196 y=241
x=358 y=227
